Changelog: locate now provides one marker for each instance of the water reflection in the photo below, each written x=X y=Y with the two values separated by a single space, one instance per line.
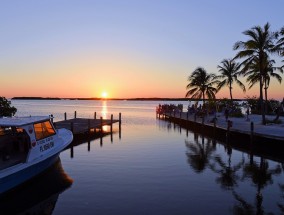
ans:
x=261 y=176
x=39 y=195
x=199 y=152
x=233 y=176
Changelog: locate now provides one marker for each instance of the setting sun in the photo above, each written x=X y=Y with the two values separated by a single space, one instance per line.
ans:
x=104 y=94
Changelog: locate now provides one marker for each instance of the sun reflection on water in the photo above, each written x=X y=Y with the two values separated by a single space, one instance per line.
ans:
x=104 y=113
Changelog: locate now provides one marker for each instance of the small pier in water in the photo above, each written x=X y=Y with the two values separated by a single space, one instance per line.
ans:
x=86 y=125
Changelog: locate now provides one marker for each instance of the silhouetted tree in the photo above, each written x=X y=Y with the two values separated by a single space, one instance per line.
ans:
x=256 y=50
x=230 y=70
x=5 y=108
x=201 y=85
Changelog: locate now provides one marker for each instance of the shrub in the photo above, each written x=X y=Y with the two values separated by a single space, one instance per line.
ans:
x=5 y=108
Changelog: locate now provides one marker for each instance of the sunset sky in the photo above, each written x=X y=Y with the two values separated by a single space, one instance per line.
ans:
x=125 y=48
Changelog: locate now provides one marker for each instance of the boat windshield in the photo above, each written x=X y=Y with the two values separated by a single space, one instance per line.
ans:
x=14 y=146
x=43 y=130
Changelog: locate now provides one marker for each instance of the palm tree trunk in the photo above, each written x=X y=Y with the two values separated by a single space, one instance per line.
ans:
x=266 y=100
x=261 y=100
x=231 y=91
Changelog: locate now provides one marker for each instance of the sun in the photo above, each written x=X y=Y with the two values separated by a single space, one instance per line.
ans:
x=104 y=94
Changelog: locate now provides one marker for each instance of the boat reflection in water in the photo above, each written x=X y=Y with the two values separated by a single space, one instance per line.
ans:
x=38 y=195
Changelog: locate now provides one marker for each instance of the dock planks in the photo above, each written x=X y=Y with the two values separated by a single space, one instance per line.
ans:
x=83 y=125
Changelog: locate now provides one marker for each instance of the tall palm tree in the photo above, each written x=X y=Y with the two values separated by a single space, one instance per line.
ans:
x=201 y=84
x=257 y=48
x=253 y=75
x=230 y=70
x=280 y=43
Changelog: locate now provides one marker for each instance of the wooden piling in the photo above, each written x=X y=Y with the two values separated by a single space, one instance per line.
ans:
x=51 y=118
x=111 y=121
x=95 y=115
x=65 y=116
x=101 y=124
x=251 y=131
x=119 y=120
x=214 y=131
x=72 y=152
x=89 y=126
x=72 y=127
x=75 y=114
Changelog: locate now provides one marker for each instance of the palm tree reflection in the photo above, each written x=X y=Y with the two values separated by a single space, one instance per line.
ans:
x=228 y=176
x=261 y=176
x=199 y=153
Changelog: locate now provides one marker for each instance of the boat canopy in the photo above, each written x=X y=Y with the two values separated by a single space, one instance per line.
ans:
x=21 y=121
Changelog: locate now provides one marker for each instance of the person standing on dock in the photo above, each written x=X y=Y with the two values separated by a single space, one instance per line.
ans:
x=247 y=112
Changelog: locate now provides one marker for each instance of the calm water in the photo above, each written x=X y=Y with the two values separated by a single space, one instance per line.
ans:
x=154 y=168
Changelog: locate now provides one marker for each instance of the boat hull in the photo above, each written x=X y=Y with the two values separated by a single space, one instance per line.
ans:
x=11 y=181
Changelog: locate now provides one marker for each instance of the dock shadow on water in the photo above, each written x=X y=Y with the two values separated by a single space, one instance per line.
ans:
x=38 y=195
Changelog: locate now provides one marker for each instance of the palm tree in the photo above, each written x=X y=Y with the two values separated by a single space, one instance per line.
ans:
x=200 y=84
x=230 y=71
x=252 y=71
x=280 y=43
x=256 y=49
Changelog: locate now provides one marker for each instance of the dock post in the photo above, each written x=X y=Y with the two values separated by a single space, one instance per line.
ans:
x=111 y=121
x=72 y=127
x=71 y=151
x=89 y=126
x=51 y=118
x=65 y=116
x=119 y=131
x=119 y=120
x=95 y=115
x=75 y=114
x=89 y=145
x=101 y=124
x=251 y=131
x=228 y=131
x=214 y=127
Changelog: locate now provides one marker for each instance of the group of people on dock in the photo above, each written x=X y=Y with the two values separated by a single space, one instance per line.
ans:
x=199 y=110
x=169 y=108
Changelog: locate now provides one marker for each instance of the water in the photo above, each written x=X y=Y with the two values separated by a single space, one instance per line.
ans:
x=154 y=168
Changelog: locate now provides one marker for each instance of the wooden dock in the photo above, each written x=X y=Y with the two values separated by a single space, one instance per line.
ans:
x=235 y=129
x=84 y=125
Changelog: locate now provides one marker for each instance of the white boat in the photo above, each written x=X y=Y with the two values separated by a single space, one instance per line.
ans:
x=28 y=146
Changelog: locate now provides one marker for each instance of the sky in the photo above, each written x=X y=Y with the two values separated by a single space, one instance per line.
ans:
x=125 y=48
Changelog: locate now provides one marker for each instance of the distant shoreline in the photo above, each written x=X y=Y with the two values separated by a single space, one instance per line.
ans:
x=114 y=99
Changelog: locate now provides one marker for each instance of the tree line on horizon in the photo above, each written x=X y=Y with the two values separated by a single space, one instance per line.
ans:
x=257 y=66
